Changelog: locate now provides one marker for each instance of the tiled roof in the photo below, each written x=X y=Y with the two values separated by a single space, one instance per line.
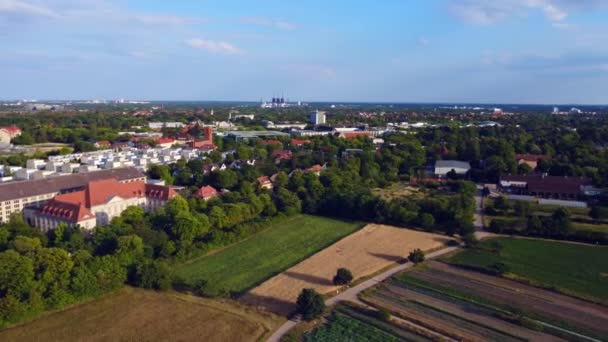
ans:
x=75 y=206
x=351 y=135
x=20 y=189
x=264 y=180
x=531 y=157
x=11 y=129
x=299 y=142
x=206 y=192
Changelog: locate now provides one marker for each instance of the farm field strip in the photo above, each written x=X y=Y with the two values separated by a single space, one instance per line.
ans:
x=587 y=318
x=467 y=311
x=250 y=262
x=366 y=252
x=550 y=264
x=356 y=324
x=143 y=315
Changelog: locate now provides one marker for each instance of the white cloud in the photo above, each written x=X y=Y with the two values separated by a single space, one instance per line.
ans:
x=268 y=22
x=24 y=8
x=213 y=46
x=486 y=12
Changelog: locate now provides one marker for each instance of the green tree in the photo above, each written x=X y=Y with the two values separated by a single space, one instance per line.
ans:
x=310 y=304
x=153 y=275
x=343 y=277
x=416 y=256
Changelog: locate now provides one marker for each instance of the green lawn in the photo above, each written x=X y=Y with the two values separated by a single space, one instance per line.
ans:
x=573 y=268
x=250 y=262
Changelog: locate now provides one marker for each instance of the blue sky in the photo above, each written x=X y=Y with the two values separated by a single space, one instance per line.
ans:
x=515 y=51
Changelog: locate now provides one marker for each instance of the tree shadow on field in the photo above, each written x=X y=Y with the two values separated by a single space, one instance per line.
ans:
x=388 y=257
x=309 y=278
x=276 y=305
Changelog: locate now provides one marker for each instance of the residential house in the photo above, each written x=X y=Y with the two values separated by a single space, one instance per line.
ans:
x=264 y=182
x=530 y=159
x=206 y=193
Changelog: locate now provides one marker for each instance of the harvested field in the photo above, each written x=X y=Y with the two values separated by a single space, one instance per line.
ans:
x=248 y=263
x=140 y=315
x=460 y=320
x=549 y=306
x=365 y=252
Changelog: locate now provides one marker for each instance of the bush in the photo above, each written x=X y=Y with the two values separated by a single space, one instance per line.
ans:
x=416 y=256
x=498 y=268
x=343 y=277
x=310 y=304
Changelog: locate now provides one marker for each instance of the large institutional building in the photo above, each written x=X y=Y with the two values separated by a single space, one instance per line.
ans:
x=87 y=199
x=98 y=203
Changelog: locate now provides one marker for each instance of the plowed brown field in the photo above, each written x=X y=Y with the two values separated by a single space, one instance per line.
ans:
x=365 y=252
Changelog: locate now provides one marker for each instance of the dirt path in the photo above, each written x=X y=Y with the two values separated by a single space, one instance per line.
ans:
x=353 y=293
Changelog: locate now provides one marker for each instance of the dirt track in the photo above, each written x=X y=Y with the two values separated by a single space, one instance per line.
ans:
x=507 y=292
x=365 y=252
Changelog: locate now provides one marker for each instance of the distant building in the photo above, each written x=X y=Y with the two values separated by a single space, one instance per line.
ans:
x=543 y=186
x=98 y=204
x=32 y=107
x=442 y=167
x=8 y=133
x=205 y=144
x=317 y=117
x=160 y=125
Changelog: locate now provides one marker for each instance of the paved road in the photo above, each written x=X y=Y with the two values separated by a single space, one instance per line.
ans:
x=352 y=293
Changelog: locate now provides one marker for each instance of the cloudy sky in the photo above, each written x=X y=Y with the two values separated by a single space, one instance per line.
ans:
x=517 y=51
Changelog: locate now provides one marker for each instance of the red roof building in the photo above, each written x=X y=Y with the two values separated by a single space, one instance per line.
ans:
x=530 y=159
x=299 y=142
x=353 y=135
x=9 y=132
x=264 y=182
x=280 y=155
x=272 y=142
x=103 y=143
x=99 y=202
x=165 y=142
x=206 y=193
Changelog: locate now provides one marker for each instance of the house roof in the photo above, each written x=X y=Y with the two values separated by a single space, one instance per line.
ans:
x=315 y=168
x=104 y=143
x=11 y=129
x=264 y=180
x=20 y=189
x=165 y=141
x=206 y=192
x=550 y=184
x=298 y=142
x=352 y=135
x=452 y=164
x=531 y=157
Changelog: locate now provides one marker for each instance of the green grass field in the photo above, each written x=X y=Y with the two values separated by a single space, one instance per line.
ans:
x=577 y=269
x=250 y=262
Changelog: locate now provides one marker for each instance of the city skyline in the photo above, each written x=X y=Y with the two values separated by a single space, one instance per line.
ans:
x=449 y=51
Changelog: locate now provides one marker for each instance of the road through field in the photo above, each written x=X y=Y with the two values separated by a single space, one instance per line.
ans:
x=352 y=293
